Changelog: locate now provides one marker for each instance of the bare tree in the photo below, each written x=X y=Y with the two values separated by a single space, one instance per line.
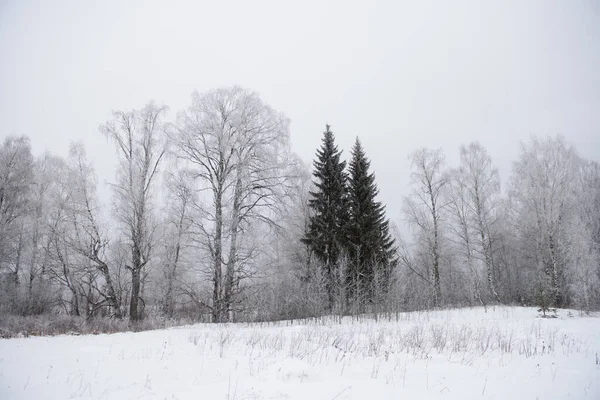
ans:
x=84 y=233
x=483 y=187
x=473 y=197
x=73 y=273
x=582 y=237
x=237 y=148
x=177 y=229
x=543 y=193
x=461 y=228
x=424 y=207
x=48 y=171
x=140 y=141
x=582 y=259
x=64 y=263
x=16 y=175
x=589 y=206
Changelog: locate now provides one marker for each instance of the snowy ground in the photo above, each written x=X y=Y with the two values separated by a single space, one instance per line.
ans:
x=506 y=353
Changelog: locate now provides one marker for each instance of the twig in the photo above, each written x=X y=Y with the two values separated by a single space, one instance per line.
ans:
x=340 y=393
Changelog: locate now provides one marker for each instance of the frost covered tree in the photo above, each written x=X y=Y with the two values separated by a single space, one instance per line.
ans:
x=583 y=238
x=16 y=176
x=139 y=136
x=424 y=209
x=176 y=237
x=86 y=235
x=236 y=149
x=542 y=191
x=48 y=171
x=482 y=183
x=292 y=286
x=461 y=232
x=474 y=194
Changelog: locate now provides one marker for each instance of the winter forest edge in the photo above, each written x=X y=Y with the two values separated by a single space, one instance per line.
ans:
x=213 y=218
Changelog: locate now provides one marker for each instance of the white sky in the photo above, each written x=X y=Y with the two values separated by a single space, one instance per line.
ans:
x=398 y=74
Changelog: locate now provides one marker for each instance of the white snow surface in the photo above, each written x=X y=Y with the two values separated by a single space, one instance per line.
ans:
x=504 y=353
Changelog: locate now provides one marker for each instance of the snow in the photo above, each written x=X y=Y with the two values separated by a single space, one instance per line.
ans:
x=453 y=354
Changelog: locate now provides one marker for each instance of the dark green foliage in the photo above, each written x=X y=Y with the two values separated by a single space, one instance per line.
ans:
x=326 y=232
x=371 y=249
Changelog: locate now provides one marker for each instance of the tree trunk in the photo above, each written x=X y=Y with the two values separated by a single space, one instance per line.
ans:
x=30 y=285
x=74 y=303
x=89 y=309
x=486 y=244
x=437 y=290
x=218 y=256
x=136 y=269
x=111 y=295
x=169 y=306
x=172 y=270
x=70 y=286
x=18 y=264
x=329 y=279
x=135 y=295
x=231 y=262
x=489 y=265
x=555 y=278
x=476 y=283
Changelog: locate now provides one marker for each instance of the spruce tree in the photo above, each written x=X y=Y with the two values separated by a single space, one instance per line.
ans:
x=326 y=231
x=371 y=249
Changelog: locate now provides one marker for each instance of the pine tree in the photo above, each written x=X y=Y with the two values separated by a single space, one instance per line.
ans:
x=371 y=249
x=326 y=232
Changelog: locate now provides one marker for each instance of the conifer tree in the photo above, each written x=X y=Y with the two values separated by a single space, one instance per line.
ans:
x=326 y=232
x=371 y=249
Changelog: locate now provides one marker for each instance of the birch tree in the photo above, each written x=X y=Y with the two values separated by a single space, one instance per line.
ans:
x=236 y=149
x=461 y=230
x=139 y=137
x=177 y=230
x=16 y=176
x=582 y=235
x=543 y=192
x=48 y=170
x=481 y=184
x=424 y=207
x=66 y=266
x=85 y=234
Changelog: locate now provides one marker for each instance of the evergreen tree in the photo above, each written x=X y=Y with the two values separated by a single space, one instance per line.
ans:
x=326 y=231
x=371 y=249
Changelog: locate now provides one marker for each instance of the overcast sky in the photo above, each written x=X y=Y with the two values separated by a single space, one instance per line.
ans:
x=398 y=74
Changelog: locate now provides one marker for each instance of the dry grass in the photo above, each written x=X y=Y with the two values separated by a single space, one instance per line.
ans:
x=12 y=326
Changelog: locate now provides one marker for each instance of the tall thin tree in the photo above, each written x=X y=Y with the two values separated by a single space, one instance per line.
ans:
x=138 y=136
x=371 y=248
x=424 y=209
x=326 y=234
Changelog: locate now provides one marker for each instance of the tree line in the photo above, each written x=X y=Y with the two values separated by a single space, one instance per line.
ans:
x=214 y=218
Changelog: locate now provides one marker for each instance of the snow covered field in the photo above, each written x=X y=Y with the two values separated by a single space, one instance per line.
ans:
x=506 y=353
